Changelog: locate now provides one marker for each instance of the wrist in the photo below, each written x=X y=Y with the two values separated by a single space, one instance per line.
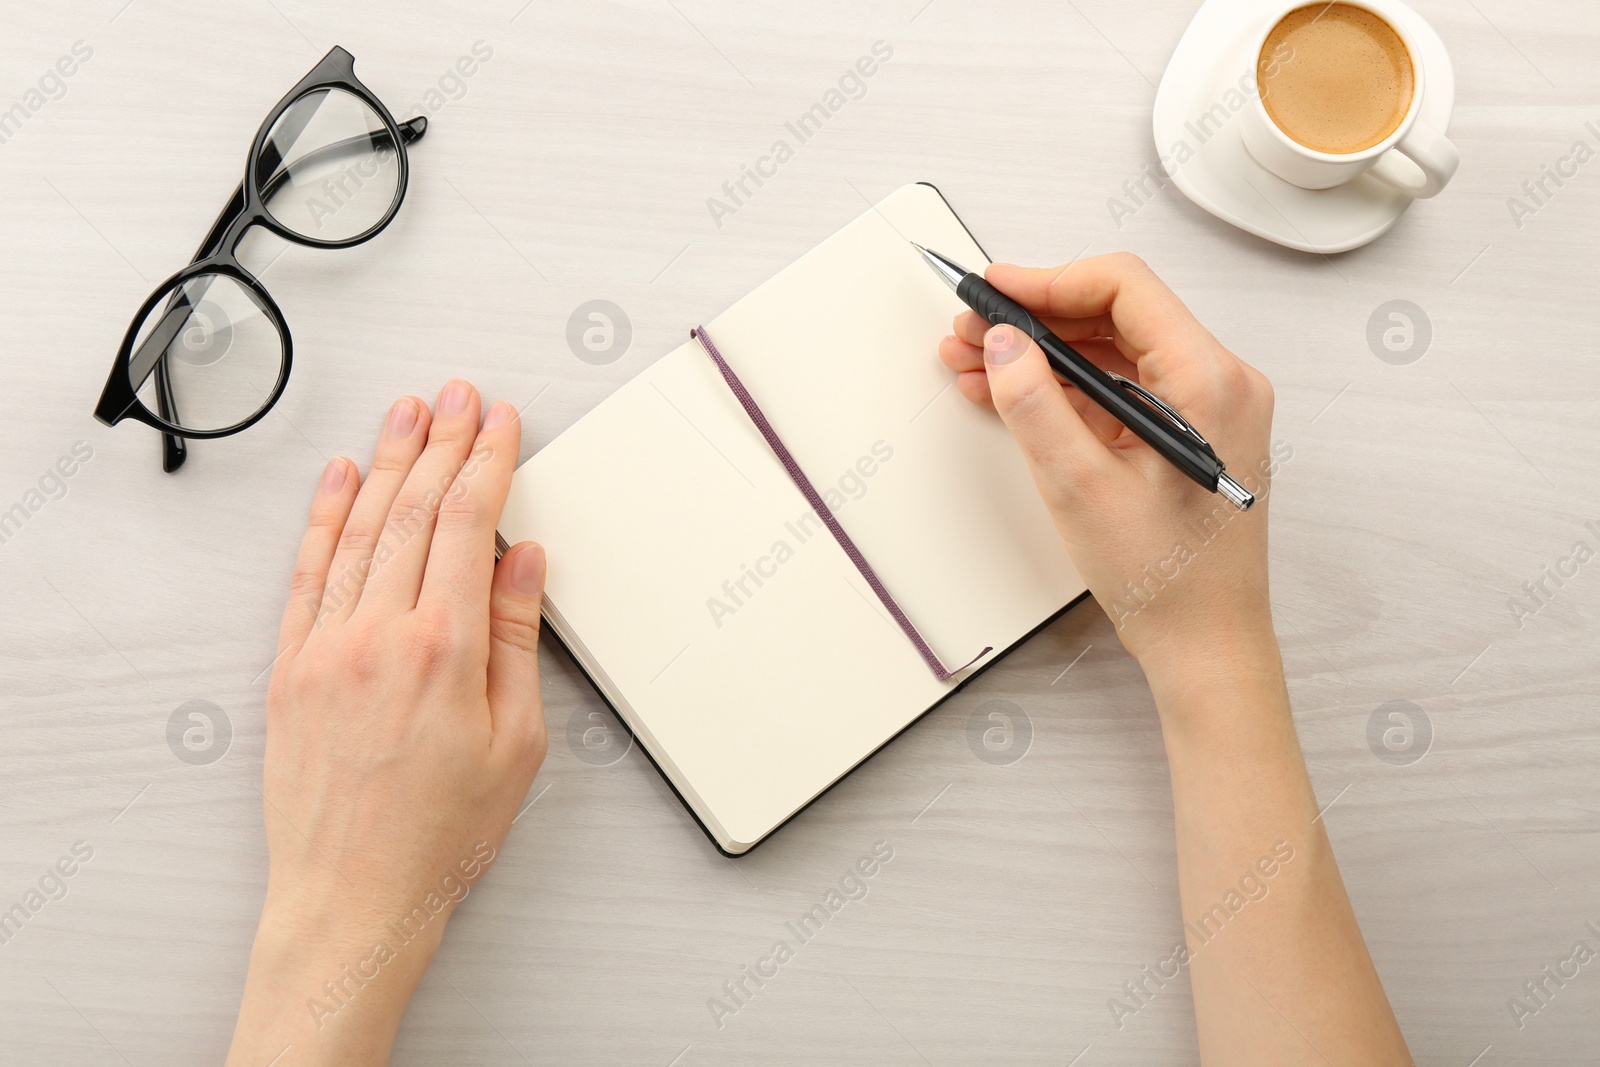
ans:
x=333 y=981
x=1239 y=671
x=321 y=930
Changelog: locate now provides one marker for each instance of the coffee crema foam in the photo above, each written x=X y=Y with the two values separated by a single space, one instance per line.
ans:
x=1348 y=82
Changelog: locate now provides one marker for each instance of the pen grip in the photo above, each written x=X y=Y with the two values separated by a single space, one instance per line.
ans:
x=1197 y=461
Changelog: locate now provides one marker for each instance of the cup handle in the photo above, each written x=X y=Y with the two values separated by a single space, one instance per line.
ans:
x=1432 y=156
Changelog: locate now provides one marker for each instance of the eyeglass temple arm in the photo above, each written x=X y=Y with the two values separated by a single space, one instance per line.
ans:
x=174 y=450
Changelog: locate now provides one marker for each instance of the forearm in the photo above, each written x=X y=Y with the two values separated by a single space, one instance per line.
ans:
x=1278 y=966
x=327 y=989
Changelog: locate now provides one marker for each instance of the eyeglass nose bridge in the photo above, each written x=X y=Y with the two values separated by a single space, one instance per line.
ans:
x=227 y=247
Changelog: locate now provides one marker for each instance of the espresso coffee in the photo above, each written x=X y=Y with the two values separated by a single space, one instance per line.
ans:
x=1335 y=77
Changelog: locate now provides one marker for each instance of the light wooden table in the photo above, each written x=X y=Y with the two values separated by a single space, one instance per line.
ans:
x=575 y=164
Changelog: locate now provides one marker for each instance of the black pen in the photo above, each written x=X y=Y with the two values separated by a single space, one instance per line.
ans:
x=1145 y=414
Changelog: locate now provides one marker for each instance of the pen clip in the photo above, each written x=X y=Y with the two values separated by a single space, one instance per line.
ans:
x=1162 y=406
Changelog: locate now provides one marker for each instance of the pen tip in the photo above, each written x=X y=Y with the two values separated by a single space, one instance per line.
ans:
x=952 y=273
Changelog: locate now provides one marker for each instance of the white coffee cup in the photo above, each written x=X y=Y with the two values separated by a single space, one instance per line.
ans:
x=1416 y=159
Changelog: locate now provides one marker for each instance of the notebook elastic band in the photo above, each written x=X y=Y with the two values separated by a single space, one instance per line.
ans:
x=814 y=498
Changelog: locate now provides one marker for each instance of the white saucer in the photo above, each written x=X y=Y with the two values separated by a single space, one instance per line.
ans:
x=1212 y=167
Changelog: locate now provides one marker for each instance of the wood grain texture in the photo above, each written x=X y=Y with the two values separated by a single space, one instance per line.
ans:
x=576 y=165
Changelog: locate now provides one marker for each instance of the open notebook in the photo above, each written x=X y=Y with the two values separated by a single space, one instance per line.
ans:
x=694 y=585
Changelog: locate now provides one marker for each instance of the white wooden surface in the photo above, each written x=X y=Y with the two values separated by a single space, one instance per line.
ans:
x=576 y=165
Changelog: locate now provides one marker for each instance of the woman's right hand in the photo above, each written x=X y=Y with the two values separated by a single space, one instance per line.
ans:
x=1181 y=573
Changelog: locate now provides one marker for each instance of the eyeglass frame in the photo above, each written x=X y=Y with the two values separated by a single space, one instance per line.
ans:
x=216 y=255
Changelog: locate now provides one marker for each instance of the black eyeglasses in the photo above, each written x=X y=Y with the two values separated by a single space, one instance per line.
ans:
x=327 y=169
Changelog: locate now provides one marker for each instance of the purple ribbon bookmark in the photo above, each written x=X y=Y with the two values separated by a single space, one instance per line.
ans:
x=814 y=498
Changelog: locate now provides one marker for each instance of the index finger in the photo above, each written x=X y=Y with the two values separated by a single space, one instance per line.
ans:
x=336 y=495
x=1144 y=314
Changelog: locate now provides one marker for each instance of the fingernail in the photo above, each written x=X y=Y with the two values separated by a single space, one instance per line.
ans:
x=1001 y=346
x=333 y=476
x=402 y=418
x=453 y=401
x=500 y=412
x=527 y=570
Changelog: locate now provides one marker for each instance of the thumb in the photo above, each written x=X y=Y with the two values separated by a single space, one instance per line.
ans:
x=1065 y=454
x=515 y=708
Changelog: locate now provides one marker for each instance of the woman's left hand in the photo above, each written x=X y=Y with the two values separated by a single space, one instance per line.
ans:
x=404 y=727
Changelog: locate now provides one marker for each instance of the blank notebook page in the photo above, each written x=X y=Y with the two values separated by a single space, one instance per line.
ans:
x=689 y=577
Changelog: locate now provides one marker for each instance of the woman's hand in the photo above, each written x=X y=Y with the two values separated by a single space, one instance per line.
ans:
x=1174 y=566
x=1184 y=576
x=404 y=727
